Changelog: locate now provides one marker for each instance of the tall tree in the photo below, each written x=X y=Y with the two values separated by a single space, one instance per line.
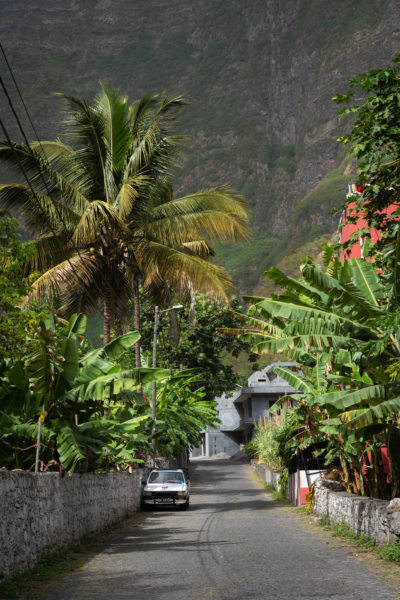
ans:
x=201 y=345
x=373 y=98
x=102 y=210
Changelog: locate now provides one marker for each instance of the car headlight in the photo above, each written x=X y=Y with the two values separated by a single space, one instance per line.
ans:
x=146 y=494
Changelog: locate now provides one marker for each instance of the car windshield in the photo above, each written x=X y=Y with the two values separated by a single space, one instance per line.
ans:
x=166 y=477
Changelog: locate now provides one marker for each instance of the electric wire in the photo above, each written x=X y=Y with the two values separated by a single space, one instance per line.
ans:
x=18 y=91
x=79 y=280
x=59 y=214
x=56 y=207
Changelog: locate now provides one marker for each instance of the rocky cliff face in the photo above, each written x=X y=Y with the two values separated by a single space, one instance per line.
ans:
x=260 y=76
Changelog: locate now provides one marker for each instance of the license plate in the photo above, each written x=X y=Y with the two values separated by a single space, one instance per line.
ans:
x=164 y=500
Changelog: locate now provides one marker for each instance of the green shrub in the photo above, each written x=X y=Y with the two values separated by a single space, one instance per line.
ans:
x=391 y=552
x=270 y=443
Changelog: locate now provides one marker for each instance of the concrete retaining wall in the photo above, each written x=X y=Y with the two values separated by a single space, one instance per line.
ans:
x=42 y=512
x=268 y=475
x=377 y=519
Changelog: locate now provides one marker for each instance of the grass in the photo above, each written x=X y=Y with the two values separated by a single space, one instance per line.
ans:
x=387 y=552
x=277 y=495
x=35 y=582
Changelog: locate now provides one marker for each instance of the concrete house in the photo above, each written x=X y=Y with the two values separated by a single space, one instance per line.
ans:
x=239 y=412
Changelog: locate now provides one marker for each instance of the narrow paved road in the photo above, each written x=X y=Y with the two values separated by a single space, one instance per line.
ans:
x=233 y=544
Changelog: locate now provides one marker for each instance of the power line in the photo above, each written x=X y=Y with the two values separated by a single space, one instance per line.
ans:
x=80 y=281
x=59 y=214
x=18 y=91
x=73 y=270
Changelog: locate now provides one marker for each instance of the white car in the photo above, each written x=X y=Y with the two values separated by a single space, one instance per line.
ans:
x=166 y=487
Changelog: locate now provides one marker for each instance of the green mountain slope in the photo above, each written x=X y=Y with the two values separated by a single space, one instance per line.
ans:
x=260 y=76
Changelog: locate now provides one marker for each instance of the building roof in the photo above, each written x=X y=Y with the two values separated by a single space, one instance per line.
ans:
x=266 y=382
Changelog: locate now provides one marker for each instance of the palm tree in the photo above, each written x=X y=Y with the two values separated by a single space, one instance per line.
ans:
x=103 y=213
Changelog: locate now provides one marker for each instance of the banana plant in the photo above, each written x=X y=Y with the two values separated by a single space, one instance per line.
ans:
x=182 y=412
x=68 y=390
x=344 y=312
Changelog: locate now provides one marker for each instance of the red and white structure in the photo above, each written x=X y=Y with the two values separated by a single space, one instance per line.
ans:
x=348 y=230
x=298 y=485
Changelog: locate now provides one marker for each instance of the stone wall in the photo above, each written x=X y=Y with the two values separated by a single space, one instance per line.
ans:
x=377 y=519
x=268 y=475
x=42 y=512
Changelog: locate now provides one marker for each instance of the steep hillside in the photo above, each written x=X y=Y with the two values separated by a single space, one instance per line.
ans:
x=260 y=76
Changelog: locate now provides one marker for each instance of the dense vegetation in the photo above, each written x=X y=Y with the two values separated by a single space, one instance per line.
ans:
x=340 y=321
x=69 y=407
x=199 y=345
x=101 y=207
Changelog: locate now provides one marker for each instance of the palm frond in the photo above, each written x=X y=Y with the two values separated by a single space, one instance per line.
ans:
x=117 y=127
x=175 y=265
x=130 y=192
x=100 y=218
x=36 y=212
x=199 y=247
x=85 y=128
x=50 y=250
x=81 y=271
x=47 y=178
x=217 y=213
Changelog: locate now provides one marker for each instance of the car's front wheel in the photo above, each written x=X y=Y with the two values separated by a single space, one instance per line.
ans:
x=186 y=505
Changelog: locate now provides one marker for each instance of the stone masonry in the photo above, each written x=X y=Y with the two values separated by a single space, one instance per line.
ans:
x=376 y=519
x=268 y=475
x=42 y=512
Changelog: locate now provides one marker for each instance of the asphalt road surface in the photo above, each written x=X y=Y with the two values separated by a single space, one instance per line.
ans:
x=233 y=544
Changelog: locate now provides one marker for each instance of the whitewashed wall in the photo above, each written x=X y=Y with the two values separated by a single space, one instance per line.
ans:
x=268 y=475
x=42 y=512
x=377 y=519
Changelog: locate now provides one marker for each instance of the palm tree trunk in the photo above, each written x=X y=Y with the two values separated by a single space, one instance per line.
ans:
x=136 y=299
x=107 y=316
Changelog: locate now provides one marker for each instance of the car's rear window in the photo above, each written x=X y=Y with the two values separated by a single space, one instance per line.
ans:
x=166 y=477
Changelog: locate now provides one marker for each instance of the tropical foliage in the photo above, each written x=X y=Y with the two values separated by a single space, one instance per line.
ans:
x=273 y=442
x=342 y=327
x=183 y=413
x=65 y=406
x=93 y=415
x=13 y=320
x=65 y=387
x=199 y=345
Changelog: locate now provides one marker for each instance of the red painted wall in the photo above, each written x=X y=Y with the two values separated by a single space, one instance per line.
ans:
x=347 y=230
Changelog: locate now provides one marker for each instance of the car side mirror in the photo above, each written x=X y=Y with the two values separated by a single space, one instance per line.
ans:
x=144 y=482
